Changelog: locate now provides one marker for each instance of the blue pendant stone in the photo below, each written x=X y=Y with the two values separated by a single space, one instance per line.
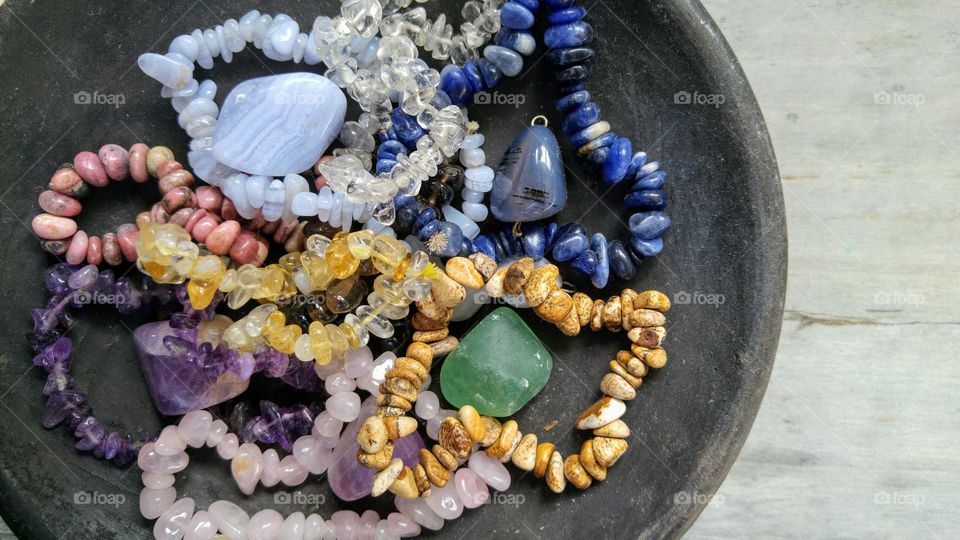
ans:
x=599 y=156
x=534 y=240
x=385 y=165
x=636 y=162
x=583 y=117
x=601 y=275
x=472 y=73
x=615 y=168
x=649 y=225
x=550 y=231
x=455 y=84
x=508 y=61
x=574 y=55
x=559 y=4
x=515 y=16
x=484 y=244
x=519 y=40
x=573 y=101
x=426 y=215
x=569 y=246
x=568 y=35
x=406 y=126
x=620 y=262
x=530 y=183
x=390 y=150
x=532 y=5
x=428 y=230
x=567 y=15
x=585 y=263
x=646 y=248
x=579 y=72
x=646 y=199
x=650 y=181
x=490 y=72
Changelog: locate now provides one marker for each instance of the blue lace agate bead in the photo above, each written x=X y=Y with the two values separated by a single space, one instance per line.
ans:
x=585 y=263
x=600 y=276
x=617 y=163
x=455 y=84
x=646 y=248
x=646 y=199
x=568 y=35
x=516 y=17
x=490 y=72
x=567 y=15
x=620 y=262
x=649 y=225
x=586 y=115
x=508 y=61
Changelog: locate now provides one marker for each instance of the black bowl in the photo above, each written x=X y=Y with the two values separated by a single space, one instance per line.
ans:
x=664 y=76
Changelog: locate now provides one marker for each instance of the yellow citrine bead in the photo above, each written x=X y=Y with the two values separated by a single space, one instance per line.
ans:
x=320 y=343
x=201 y=293
x=352 y=340
x=290 y=261
x=338 y=342
x=387 y=253
x=359 y=243
x=317 y=270
x=317 y=243
x=340 y=261
x=229 y=281
x=302 y=348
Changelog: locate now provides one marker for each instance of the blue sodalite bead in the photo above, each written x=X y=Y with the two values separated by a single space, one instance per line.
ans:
x=568 y=228
x=509 y=61
x=586 y=135
x=490 y=72
x=567 y=15
x=532 y=5
x=649 y=168
x=615 y=168
x=570 y=88
x=390 y=150
x=559 y=4
x=646 y=199
x=440 y=100
x=472 y=72
x=606 y=139
x=636 y=162
x=585 y=263
x=385 y=165
x=516 y=17
x=455 y=84
x=646 y=248
x=406 y=216
x=579 y=72
x=574 y=55
x=466 y=248
x=599 y=156
x=586 y=115
x=649 y=225
x=570 y=245
x=568 y=35
x=650 y=181
x=388 y=135
x=534 y=240
x=425 y=231
x=573 y=101
x=406 y=126
x=550 y=231
x=620 y=262
x=485 y=244
x=426 y=215
x=512 y=243
x=600 y=276
x=453 y=240
x=519 y=40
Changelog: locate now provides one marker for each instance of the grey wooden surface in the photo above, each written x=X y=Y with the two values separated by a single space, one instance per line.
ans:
x=858 y=433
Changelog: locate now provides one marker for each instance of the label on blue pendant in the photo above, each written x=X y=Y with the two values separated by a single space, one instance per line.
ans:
x=530 y=184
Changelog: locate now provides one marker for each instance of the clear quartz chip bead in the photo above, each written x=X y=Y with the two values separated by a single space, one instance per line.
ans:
x=364 y=15
x=377 y=325
x=363 y=336
x=390 y=311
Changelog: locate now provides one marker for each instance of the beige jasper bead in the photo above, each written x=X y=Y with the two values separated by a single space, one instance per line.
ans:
x=420 y=476
x=601 y=413
x=584 y=307
x=612 y=319
x=472 y=422
x=517 y=275
x=589 y=462
x=461 y=270
x=493 y=427
x=653 y=358
x=400 y=426
x=575 y=473
x=615 y=386
x=648 y=337
x=437 y=474
x=618 y=429
x=430 y=336
x=542 y=280
x=626 y=307
x=410 y=376
x=377 y=461
x=400 y=387
x=544 y=451
x=454 y=438
x=556 y=307
x=570 y=325
x=505 y=458
x=632 y=364
x=405 y=485
x=409 y=363
x=608 y=450
x=444 y=347
x=394 y=401
x=652 y=300
x=422 y=322
x=372 y=436
x=447 y=292
x=445 y=458
x=596 y=318
x=421 y=352
x=494 y=286
x=508 y=432
x=525 y=455
x=554 y=475
x=635 y=382
x=431 y=309
x=385 y=478
x=647 y=317
x=484 y=264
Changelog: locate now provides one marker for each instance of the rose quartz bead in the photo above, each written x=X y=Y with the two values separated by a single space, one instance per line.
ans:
x=315 y=528
x=209 y=198
x=178 y=198
x=115 y=161
x=271 y=468
x=175 y=179
x=418 y=510
x=127 y=238
x=427 y=406
x=471 y=489
x=246 y=467
x=293 y=527
x=402 y=526
x=201 y=527
x=150 y=461
x=158 y=214
x=79 y=244
x=490 y=470
x=218 y=429
x=194 y=428
x=368 y=524
x=59 y=204
x=94 y=251
x=347 y=524
x=138 y=162
x=169 y=443
x=228 y=210
x=265 y=525
x=339 y=382
x=66 y=180
x=308 y=452
x=344 y=406
x=156 y=481
x=228 y=446
x=181 y=216
x=445 y=502
x=111 y=249
x=51 y=227
x=221 y=239
x=171 y=524
x=358 y=362
x=203 y=227
x=88 y=166
x=291 y=472
x=168 y=167
x=247 y=249
x=326 y=425
x=154 y=502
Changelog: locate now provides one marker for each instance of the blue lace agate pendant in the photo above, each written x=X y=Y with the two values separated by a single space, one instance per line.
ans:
x=530 y=184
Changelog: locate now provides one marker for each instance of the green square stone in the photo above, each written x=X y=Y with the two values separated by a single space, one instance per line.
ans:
x=498 y=366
